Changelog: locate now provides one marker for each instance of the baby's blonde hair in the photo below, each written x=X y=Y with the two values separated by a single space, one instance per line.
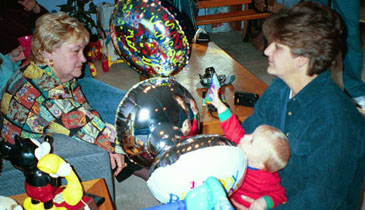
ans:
x=280 y=151
x=54 y=29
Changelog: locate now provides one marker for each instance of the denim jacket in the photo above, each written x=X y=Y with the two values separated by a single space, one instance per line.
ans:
x=326 y=135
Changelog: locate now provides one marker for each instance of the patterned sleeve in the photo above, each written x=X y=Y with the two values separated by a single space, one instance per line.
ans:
x=78 y=120
x=35 y=104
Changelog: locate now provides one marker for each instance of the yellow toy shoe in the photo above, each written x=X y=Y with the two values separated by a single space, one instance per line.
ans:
x=27 y=204
x=57 y=208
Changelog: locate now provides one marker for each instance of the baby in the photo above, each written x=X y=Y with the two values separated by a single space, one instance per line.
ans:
x=267 y=151
x=188 y=127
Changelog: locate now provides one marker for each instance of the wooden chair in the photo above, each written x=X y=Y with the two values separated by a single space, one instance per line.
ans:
x=236 y=12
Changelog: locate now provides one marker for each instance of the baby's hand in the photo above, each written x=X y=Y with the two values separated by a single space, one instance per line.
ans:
x=193 y=107
x=217 y=102
x=258 y=204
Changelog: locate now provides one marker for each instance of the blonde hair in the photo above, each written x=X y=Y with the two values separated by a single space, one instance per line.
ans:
x=280 y=151
x=54 y=29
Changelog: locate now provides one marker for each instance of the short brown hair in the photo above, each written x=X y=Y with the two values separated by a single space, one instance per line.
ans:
x=54 y=29
x=310 y=30
x=280 y=152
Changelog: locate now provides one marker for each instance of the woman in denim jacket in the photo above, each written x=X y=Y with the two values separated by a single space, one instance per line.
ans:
x=325 y=130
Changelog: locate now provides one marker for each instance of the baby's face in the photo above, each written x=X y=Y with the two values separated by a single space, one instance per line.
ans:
x=186 y=127
x=257 y=145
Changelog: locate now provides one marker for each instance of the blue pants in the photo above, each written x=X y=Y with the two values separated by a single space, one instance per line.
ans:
x=352 y=55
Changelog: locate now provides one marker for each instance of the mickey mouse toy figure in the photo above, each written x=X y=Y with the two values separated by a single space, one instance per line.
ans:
x=41 y=170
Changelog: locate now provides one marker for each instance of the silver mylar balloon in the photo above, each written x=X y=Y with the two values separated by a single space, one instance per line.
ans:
x=154 y=116
x=190 y=144
x=187 y=165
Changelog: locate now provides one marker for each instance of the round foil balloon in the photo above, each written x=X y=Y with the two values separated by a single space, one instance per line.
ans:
x=192 y=161
x=149 y=37
x=183 y=19
x=154 y=116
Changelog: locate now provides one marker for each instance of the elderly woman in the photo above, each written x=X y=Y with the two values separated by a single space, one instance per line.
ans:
x=325 y=130
x=44 y=96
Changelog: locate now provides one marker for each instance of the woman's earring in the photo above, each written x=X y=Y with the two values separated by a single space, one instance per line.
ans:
x=51 y=63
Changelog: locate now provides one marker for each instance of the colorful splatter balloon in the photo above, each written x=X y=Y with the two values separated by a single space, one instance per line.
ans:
x=149 y=38
x=184 y=21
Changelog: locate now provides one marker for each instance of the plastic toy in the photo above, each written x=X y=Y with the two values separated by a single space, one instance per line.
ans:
x=92 y=68
x=41 y=170
x=214 y=86
x=107 y=63
x=94 y=50
x=26 y=42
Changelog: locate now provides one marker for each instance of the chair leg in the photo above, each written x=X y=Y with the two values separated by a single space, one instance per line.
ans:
x=245 y=26
x=245 y=31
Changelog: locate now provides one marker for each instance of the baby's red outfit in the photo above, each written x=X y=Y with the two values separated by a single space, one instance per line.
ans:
x=257 y=183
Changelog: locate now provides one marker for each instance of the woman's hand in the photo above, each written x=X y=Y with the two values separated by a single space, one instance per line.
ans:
x=117 y=162
x=30 y=5
x=17 y=54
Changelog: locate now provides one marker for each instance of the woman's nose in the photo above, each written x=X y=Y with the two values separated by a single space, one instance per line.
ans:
x=82 y=58
x=269 y=49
